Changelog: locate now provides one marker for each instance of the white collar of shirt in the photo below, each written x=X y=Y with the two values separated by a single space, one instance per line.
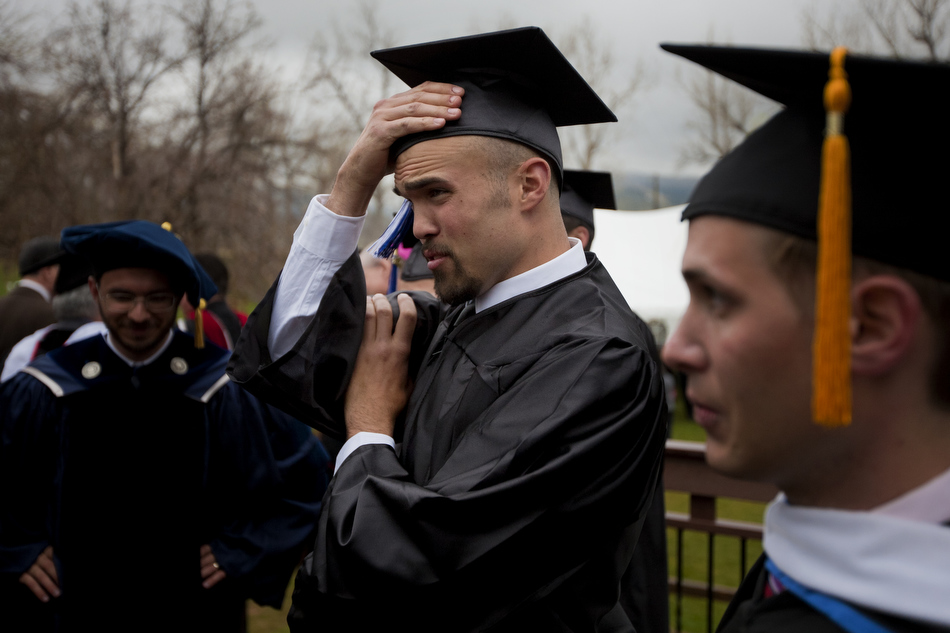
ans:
x=138 y=363
x=565 y=264
x=929 y=503
x=32 y=285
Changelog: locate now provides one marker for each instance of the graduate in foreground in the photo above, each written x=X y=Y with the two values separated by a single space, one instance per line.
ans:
x=502 y=447
x=822 y=372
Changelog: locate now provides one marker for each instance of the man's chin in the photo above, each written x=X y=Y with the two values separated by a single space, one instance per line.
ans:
x=140 y=345
x=453 y=293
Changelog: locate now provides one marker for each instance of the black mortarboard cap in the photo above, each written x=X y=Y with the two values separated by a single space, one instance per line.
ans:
x=585 y=191
x=37 y=253
x=518 y=86
x=853 y=162
x=74 y=271
x=415 y=266
x=140 y=244
x=897 y=129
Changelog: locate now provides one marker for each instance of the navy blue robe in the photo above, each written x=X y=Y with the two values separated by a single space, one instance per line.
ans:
x=127 y=472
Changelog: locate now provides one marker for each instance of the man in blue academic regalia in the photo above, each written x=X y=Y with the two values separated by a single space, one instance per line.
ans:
x=141 y=488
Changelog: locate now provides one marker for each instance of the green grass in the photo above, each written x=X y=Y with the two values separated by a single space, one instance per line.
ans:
x=267 y=619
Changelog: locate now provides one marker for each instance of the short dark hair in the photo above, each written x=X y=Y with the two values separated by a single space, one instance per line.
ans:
x=794 y=260
x=216 y=269
x=504 y=156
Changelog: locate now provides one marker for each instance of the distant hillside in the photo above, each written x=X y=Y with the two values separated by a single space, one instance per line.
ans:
x=637 y=191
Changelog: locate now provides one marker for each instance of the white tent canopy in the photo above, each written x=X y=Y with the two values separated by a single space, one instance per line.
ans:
x=643 y=252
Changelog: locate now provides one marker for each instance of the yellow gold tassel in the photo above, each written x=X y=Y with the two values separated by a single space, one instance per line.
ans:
x=199 y=324
x=831 y=376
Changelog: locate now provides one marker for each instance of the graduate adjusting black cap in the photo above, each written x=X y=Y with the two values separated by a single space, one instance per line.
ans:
x=39 y=253
x=882 y=119
x=585 y=191
x=141 y=244
x=518 y=86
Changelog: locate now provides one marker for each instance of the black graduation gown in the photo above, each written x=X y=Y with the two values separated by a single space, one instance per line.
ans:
x=527 y=460
x=750 y=612
x=127 y=472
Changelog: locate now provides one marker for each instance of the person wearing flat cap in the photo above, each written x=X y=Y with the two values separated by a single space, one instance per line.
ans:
x=142 y=490
x=503 y=440
x=77 y=316
x=817 y=338
x=27 y=307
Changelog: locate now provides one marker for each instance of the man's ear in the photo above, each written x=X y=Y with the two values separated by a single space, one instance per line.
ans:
x=885 y=319
x=93 y=288
x=581 y=233
x=534 y=179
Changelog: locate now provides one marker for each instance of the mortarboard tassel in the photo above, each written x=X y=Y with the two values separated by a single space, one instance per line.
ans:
x=392 y=237
x=831 y=376
x=199 y=324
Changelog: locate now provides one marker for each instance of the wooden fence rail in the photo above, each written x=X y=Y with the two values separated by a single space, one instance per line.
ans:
x=686 y=471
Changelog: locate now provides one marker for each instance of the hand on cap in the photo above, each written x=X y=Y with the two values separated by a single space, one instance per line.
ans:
x=380 y=386
x=426 y=107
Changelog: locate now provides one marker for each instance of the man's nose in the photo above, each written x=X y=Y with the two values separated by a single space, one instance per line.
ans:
x=138 y=311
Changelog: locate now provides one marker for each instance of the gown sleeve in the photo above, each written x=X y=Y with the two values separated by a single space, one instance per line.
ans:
x=545 y=526
x=267 y=474
x=309 y=382
x=28 y=446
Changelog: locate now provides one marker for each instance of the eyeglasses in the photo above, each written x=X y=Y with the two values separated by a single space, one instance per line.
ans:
x=157 y=302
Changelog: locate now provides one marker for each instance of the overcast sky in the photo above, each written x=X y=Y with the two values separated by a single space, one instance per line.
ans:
x=650 y=137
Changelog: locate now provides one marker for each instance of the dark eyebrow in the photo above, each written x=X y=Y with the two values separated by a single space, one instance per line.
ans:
x=415 y=185
x=694 y=275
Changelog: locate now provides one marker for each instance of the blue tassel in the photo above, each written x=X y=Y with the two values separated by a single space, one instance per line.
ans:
x=393 y=235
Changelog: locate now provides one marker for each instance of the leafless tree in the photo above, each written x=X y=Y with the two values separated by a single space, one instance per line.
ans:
x=344 y=83
x=618 y=85
x=898 y=28
x=17 y=64
x=217 y=169
x=106 y=60
x=725 y=114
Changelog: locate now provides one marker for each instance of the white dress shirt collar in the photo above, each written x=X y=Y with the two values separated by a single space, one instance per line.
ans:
x=929 y=503
x=565 y=264
x=32 y=285
x=138 y=363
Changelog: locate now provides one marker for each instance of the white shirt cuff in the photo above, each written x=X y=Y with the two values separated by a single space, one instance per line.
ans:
x=322 y=243
x=358 y=440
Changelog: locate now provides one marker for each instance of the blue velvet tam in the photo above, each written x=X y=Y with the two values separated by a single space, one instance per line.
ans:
x=140 y=244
